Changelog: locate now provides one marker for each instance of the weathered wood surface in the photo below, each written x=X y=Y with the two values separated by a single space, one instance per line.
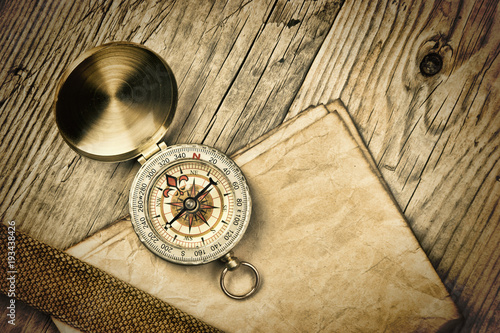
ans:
x=436 y=139
x=28 y=319
x=239 y=67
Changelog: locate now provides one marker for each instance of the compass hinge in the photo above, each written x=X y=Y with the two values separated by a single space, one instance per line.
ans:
x=151 y=151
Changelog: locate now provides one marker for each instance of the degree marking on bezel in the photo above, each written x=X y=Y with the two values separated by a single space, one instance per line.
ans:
x=242 y=193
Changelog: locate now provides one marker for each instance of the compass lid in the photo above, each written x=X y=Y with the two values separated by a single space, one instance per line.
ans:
x=115 y=101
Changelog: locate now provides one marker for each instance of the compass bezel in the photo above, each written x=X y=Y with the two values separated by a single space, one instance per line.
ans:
x=140 y=194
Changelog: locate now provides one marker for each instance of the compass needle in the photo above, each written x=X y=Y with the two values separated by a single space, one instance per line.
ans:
x=183 y=210
x=204 y=194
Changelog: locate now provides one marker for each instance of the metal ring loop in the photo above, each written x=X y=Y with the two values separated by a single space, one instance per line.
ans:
x=251 y=292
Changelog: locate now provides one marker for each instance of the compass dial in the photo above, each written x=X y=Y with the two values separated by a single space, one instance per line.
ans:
x=190 y=204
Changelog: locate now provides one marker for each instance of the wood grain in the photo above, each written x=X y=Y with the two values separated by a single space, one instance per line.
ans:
x=27 y=320
x=435 y=139
x=238 y=65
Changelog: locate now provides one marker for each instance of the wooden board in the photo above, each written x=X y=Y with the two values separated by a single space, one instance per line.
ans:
x=239 y=67
x=435 y=139
x=27 y=319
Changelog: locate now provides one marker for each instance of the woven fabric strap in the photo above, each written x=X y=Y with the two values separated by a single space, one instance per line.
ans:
x=82 y=295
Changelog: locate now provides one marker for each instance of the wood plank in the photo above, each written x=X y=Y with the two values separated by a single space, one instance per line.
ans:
x=228 y=63
x=26 y=320
x=434 y=138
x=238 y=65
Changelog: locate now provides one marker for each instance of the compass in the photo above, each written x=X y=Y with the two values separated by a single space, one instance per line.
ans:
x=189 y=203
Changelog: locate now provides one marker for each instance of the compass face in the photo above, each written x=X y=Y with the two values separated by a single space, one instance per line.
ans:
x=190 y=204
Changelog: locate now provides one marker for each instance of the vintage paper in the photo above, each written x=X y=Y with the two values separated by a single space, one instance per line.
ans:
x=333 y=249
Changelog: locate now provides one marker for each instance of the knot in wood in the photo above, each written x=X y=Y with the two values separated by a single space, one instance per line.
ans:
x=431 y=64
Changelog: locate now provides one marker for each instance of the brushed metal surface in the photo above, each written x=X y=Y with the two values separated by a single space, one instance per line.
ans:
x=115 y=101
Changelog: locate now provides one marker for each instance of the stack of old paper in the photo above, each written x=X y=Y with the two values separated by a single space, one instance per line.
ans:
x=333 y=249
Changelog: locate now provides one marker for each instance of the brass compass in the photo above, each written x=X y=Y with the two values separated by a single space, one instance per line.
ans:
x=189 y=203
